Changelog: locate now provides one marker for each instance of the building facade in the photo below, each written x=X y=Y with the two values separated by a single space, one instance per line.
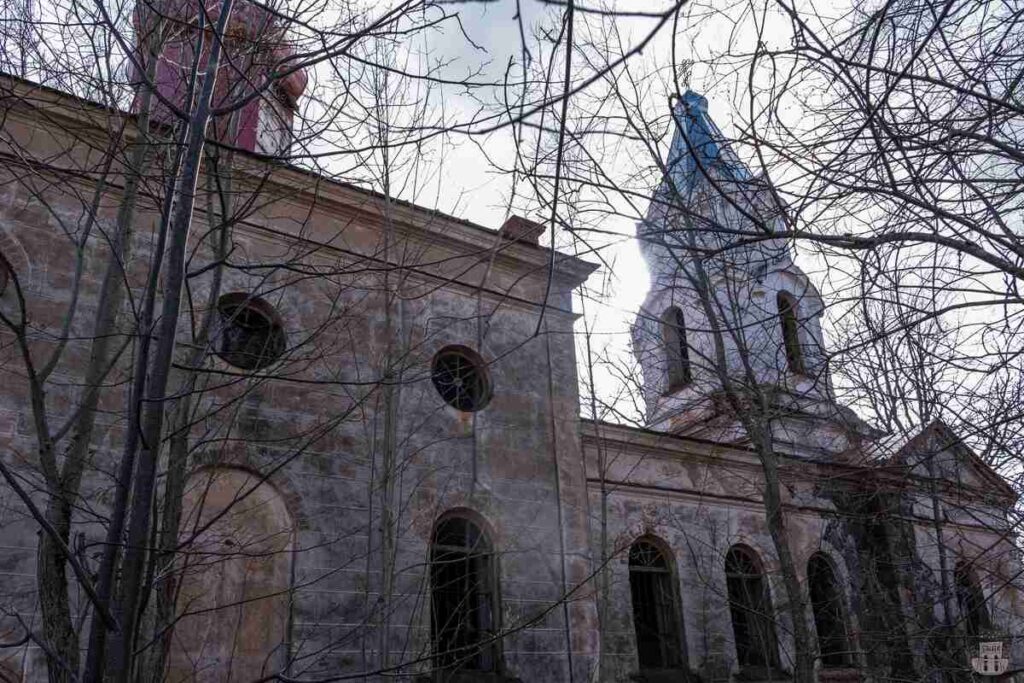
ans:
x=374 y=434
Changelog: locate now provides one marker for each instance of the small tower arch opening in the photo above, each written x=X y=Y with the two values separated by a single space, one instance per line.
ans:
x=789 y=321
x=676 y=349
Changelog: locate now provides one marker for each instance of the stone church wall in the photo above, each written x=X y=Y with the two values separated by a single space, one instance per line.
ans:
x=701 y=498
x=317 y=422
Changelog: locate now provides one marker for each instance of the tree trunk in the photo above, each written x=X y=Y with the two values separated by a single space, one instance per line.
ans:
x=178 y=447
x=753 y=409
x=179 y=225
x=58 y=629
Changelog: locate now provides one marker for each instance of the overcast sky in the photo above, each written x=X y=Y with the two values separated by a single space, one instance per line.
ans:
x=472 y=188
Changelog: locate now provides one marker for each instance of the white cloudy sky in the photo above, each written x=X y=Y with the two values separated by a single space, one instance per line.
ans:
x=471 y=188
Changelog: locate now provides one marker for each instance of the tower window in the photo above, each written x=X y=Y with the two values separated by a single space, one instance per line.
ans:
x=463 y=597
x=791 y=333
x=677 y=352
x=750 y=606
x=971 y=601
x=827 y=605
x=251 y=336
x=460 y=376
x=655 y=607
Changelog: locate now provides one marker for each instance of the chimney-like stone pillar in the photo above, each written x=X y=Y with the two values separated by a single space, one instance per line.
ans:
x=519 y=229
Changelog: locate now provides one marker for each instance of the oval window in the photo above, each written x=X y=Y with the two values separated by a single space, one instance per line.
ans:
x=250 y=334
x=460 y=376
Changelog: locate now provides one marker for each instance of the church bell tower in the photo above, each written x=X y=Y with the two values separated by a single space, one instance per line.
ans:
x=728 y=307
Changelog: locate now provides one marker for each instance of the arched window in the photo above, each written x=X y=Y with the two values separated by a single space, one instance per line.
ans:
x=971 y=601
x=463 y=597
x=677 y=352
x=655 y=607
x=750 y=606
x=791 y=332
x=234 y=579
x=829 y=615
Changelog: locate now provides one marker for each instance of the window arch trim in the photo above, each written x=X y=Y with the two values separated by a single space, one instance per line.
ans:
x=241 y=529
x=834 y=645
x=975 y=616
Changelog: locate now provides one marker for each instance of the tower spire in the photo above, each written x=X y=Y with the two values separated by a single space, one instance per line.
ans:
x=699 y=150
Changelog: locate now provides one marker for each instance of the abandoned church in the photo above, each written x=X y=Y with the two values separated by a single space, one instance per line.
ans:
x=373 y=465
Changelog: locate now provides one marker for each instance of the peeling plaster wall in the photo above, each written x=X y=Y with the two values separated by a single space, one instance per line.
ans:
x=516 y=464
x=700 y=498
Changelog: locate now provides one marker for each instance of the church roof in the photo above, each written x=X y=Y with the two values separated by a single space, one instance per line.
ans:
x=699 y=149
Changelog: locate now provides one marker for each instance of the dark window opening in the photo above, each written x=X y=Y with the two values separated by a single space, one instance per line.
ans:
x=655 y=608
x=884 y=628
x=750 y=605
x=251 y=336
x=971 y=601
x=791 y=333
x=463 y=599
x=460 y=377
x=677 y=352
x=829 y=619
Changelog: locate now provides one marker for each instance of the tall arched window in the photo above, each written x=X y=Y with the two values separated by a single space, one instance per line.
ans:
x=971 y=601
x=829 y=614
x=655 y=607
x=791 y=332
x=463 y=597
x=677 y=352
x=750 y=605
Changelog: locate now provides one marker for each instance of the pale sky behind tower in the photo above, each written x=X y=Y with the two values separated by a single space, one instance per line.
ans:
x=470 y=187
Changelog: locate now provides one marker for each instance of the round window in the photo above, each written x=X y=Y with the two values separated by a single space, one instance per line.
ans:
x=460 y=376
x=251 y=336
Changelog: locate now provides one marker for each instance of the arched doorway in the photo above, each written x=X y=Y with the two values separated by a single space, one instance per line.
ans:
x=235 y=578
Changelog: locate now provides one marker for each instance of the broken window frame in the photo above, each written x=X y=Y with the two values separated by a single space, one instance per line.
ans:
x=250 y=334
